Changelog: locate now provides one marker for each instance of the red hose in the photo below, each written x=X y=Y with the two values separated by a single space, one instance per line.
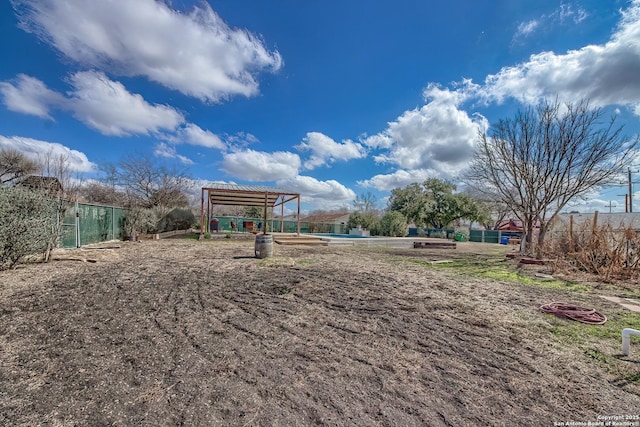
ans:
x=574 y=312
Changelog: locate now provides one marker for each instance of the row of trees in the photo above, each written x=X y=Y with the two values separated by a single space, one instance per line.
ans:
x=432 y=204
x=528 y=167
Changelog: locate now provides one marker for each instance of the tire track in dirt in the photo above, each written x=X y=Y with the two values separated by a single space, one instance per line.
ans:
x=192 y=333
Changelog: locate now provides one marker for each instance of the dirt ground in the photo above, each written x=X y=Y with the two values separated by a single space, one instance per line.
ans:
x=181 y=332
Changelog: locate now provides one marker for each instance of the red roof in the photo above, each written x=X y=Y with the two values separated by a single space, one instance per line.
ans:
x=509 y=225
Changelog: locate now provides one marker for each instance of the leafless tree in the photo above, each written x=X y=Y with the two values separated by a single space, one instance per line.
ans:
x=57 y=167
x=365 y=203
x=546 y=156
x=147 y=183
x=14 y=165
x=104 y=194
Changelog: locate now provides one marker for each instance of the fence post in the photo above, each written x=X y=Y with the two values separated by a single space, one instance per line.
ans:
x=76 y=216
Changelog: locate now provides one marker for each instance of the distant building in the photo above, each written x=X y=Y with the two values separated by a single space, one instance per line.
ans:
x=509 y=225
x=335 y=218
x=327 y=222
x=48 y=184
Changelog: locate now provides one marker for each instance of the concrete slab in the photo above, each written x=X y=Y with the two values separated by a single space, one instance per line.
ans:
x=624 y=302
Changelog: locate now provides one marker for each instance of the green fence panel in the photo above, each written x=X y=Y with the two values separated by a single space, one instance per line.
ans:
x=85 y=223
x=475 y=235
x=486 y=236
x=224 y=225
x=491 y=236
x=95 y=224
x=68 y=238
x=119 y=215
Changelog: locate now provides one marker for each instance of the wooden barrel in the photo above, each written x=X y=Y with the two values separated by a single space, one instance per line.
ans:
x=264 y=245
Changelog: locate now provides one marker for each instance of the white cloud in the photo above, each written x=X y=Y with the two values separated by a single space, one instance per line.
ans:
x=108 y=107
x=325 y=150
x=36 y=150
x=379 y=140
x=251 y=165
x=558 y=17
x=399 y=178
x=566 y=12
x=197 y=53
x=240 y=140
x=169 y=152
x=29 y=95
x=322 y=194
x=606 y=74
x=438 y=136
x=527 y=28
x=195 y=135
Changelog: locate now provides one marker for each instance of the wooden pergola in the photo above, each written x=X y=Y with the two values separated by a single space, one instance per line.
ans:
x=247 y=195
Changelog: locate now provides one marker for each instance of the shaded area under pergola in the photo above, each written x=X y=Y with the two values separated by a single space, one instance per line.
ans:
x=248 y=195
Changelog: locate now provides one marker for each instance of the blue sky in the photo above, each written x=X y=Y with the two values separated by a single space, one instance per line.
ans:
x=331 y=99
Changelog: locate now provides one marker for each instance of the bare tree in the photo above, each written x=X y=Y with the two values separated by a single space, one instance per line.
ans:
x=14 y=166
x=147 y=183
x=365 y=202
x=105 y=194
x=57 y=167
x=546 y=156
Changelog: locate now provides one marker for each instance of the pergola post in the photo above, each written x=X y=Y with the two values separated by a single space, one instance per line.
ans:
x=201 y=213
x=282 y=215
x=298 y=216
x=266 y=199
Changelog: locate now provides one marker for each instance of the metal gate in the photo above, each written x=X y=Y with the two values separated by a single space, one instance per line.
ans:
x=86 y=223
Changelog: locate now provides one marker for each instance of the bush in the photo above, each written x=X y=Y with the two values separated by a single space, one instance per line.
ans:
x=177 y=219
x=28 y=222
x=139 y=221
x=367 y=221
x=393 y=224
x=438 y=234
x=600 y=250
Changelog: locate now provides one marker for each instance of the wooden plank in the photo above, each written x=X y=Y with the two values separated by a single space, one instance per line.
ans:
x=300 y=241
x=532 y=261
x=435 y=245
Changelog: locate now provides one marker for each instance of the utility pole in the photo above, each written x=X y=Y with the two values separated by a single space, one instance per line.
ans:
x=630 y=192
x=626 y=202
x=610 y=205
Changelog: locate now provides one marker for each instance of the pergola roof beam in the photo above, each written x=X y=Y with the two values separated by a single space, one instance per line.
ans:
x=244 y=195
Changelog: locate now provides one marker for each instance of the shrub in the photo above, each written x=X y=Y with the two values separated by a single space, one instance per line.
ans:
x=438 y=234
x=367 y=221
x=139 y=221
x=177 y=219
x=28 y=222
x=393 y=224
x=600 y=250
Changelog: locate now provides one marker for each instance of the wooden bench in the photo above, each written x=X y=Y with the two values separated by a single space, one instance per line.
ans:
x=435 y=245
